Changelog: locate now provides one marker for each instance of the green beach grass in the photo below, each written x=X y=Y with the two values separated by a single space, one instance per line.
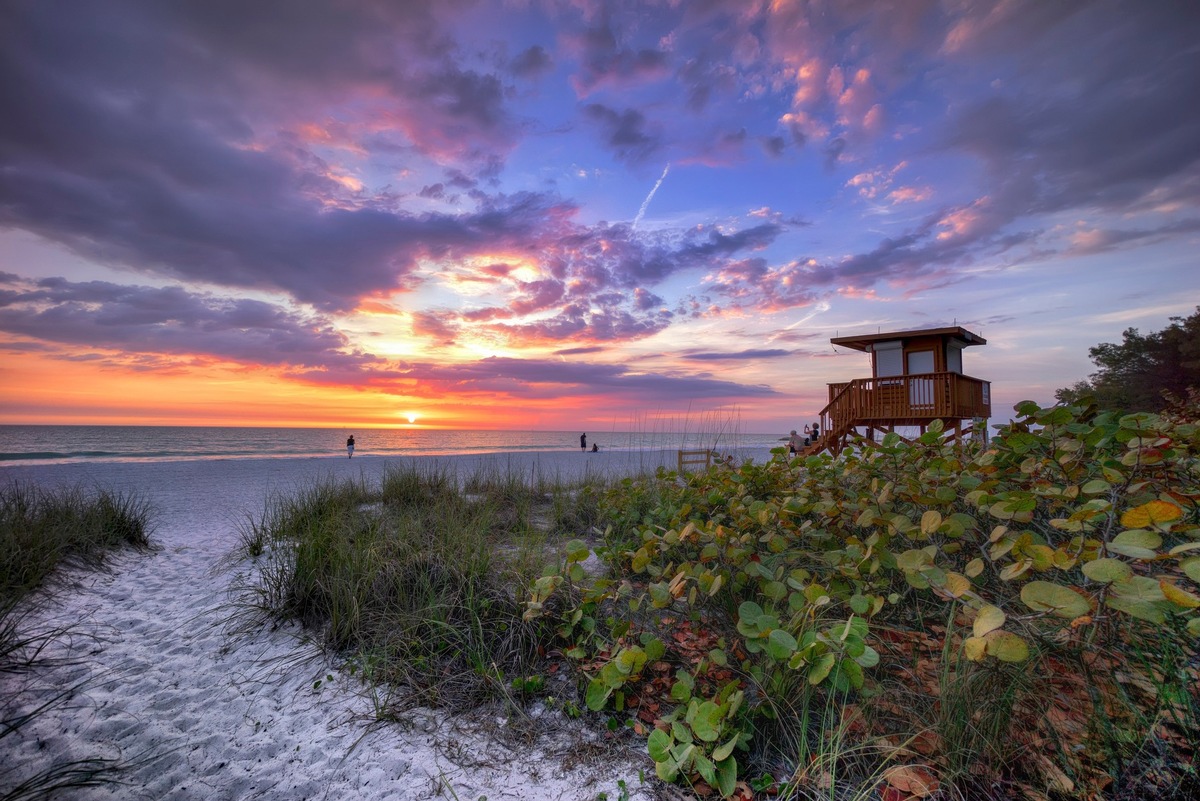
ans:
x=421 y=578
x=1015 y=620
x=43 y=532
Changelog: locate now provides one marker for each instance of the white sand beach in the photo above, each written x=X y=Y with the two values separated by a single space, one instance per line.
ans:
x=207 y=715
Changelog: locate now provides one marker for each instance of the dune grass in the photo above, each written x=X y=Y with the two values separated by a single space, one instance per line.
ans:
x=41 y=532
x=419 y=580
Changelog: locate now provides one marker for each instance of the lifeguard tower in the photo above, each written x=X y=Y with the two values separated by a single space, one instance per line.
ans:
x=916 y=377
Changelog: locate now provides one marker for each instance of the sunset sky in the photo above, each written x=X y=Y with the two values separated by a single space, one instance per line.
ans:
x=581 y=214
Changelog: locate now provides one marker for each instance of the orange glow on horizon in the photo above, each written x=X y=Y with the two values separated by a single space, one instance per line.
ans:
x=39 y=389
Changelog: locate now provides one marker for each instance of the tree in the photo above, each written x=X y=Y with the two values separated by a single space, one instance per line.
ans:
x=1134 y=374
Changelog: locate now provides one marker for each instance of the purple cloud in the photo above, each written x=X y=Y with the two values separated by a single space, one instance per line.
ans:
x=173 y=322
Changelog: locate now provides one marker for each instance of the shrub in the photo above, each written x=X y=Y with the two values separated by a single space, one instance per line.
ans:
x=1058 y=565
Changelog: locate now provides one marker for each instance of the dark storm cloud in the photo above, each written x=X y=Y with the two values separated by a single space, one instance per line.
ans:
x=172 y=321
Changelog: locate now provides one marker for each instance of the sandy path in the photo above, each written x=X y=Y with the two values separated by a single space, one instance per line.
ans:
x=212 y=717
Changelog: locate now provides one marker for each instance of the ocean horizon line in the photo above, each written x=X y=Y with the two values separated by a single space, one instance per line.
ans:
x=54 y=444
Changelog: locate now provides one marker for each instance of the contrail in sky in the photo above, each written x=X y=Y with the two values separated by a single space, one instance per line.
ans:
x=642 y=211
x=820 y=308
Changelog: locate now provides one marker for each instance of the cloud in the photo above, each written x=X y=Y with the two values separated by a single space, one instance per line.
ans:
x=174 y=322
x=626 y=133
x=604 y=62
x=147 y=328
x=299 y=150
x=532 y=62
x=534 y=378
x=738 y=356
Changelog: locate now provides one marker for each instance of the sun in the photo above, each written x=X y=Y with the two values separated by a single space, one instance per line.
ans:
x=411 y=417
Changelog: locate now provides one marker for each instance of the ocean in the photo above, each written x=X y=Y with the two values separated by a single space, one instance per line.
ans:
x=21 y=444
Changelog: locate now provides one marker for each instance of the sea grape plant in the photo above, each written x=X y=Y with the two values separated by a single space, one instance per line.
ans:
x=1071 y=526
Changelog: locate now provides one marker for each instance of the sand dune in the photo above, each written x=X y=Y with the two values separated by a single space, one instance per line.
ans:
x=208 y=715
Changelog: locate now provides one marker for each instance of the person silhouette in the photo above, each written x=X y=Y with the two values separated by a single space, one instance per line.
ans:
x=583 y=442
x=350 y=447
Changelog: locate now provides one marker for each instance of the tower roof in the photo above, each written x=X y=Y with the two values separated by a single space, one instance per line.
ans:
x=863 y=341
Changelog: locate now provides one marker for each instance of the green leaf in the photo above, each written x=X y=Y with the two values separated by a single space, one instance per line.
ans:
x=1191 y=568
x=1043 y=596
x=750 y=613
x=775 y=590
x=667 y=770
x=1142 y=610
x=1136 y=544
x=820 y=669
x=724 y=750
x=659 y=745
x=1107 y=570
x=629 y=661
x=707 y=722
x=1138 y=596
x=727 y=776
x=705 y=767
x=1141 y=588
x=577 y=551
x=681 y=690
x=597 y=695
x=869 y=657
x=914 y=559
x=640 y=561
x=655 y=650
x=780 y=645
x=851 y=672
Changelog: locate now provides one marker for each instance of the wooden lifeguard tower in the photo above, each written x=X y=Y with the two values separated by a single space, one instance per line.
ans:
x=916 y=377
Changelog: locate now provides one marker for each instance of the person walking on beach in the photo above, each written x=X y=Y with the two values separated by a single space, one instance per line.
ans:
x=583 y=443
x=350 y=447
